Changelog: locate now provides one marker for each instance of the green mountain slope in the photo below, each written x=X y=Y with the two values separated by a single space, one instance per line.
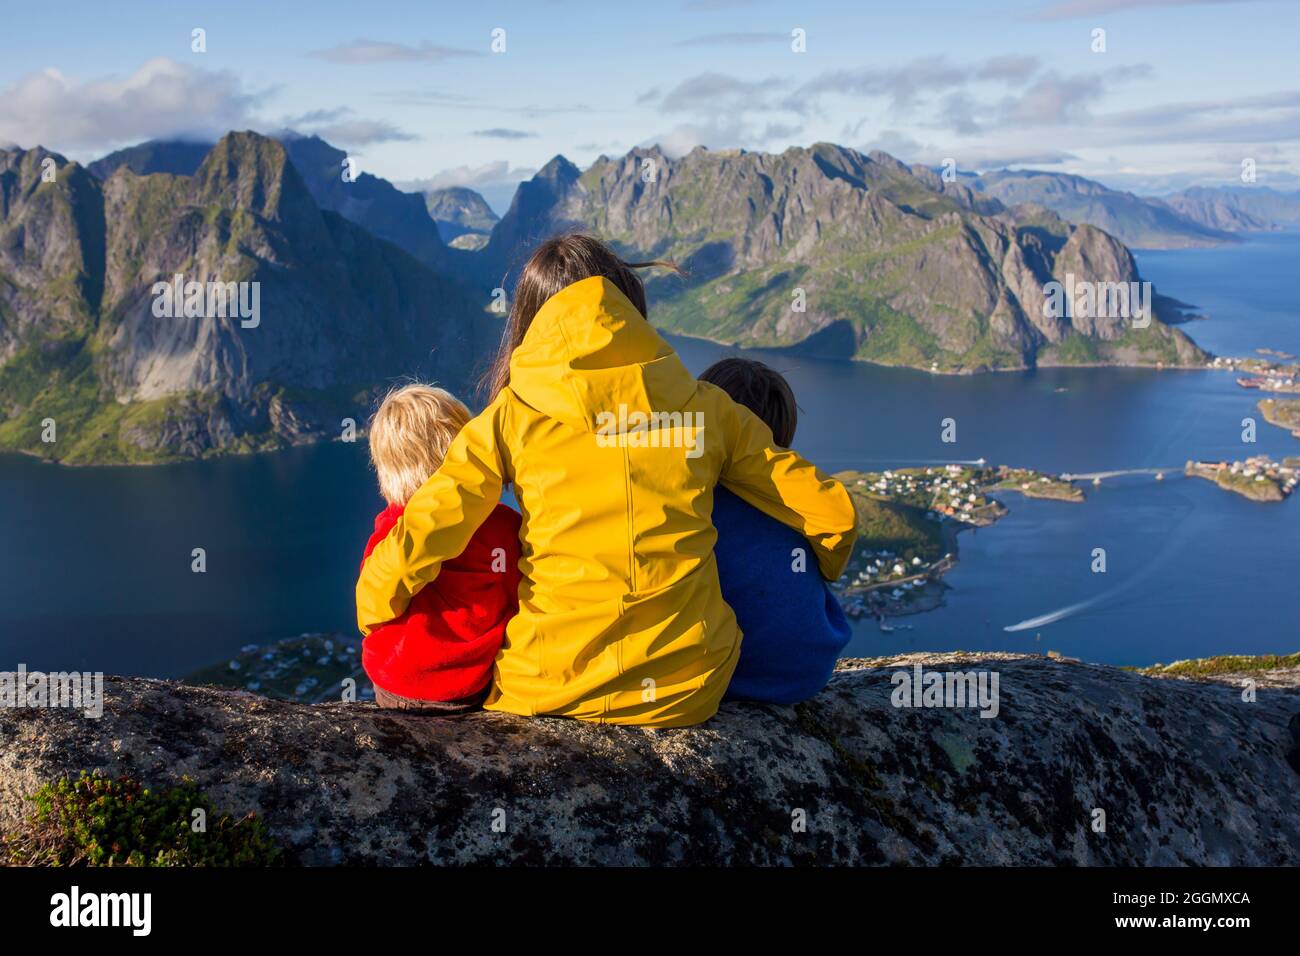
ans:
x=340 y=311
x=890 y=264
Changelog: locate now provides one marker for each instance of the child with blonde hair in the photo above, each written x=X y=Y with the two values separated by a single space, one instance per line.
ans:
x=438 y=655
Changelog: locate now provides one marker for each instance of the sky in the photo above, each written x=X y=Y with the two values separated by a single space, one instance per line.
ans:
x=1146 y=95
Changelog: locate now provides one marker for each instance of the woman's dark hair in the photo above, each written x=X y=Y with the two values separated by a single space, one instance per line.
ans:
x=554 y=265
x=761 y=389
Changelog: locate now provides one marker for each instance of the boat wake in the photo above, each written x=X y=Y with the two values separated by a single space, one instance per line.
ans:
x=1172 y=542
x=1051 y=617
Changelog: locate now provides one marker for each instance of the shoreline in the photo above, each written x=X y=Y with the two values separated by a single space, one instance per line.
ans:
x=281 y=669
x=792 y=350
x=326 y=439
x=1276 y=412
x=947 y=499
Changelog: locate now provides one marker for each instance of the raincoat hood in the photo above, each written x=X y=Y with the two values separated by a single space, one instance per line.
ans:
x=621 y=616
x=589 y=351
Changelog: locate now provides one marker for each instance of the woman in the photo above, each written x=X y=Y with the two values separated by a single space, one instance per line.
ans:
x=613 y=450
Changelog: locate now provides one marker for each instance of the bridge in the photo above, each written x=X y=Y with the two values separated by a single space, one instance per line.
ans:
x=1098 y=475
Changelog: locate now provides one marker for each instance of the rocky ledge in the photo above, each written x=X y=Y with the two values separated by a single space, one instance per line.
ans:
x=1178 y=772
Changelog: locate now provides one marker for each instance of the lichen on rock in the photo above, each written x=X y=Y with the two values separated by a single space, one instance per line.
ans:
x=1184 y=772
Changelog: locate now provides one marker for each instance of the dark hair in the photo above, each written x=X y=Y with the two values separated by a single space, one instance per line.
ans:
x=761 y=389
x=554 y=265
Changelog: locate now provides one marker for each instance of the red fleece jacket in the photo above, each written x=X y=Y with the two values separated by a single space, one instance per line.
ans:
x=443 y=646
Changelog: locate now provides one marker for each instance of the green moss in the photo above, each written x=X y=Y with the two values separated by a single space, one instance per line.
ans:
x=1156 y=343
x=1077 y=350
x=1222 y=664
x=99 y=821
x=56 y=379
x=899 y=528
x=958 y=751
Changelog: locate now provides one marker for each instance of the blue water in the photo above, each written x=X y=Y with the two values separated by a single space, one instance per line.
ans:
x=1247 y=289
x=95 y=563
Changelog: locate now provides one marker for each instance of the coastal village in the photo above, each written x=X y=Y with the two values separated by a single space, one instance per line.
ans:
x=1258 y=478
x=911 y=516
x=1273 y=371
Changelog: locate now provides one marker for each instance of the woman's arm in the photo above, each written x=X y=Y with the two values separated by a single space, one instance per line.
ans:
x=437 y=524
x=782 y=484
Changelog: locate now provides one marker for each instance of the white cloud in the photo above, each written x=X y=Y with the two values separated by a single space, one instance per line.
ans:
x=496 y=181
x=718 y=94
x=496 y=173
x=363 y=132
x=341 y=126
x=896 y=144
x=162 y=99
x=735 y=39
x=723 y=133
x=1072 y=9
x=365 y=52
x=501 y=132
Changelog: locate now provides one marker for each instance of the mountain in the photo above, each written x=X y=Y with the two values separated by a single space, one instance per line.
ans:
x=894 y=265
x=463 y=217
x=1238 y=208
x=340 y=313
x=369 y=201
x=1135 y=220
x=891 y=264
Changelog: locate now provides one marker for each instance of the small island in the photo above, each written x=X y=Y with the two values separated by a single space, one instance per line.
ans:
x=1282 y=412
x=911 y=518
x=1258 y=478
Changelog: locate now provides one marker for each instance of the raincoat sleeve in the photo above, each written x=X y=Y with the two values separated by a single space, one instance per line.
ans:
x=782 y=484
x=437 y=524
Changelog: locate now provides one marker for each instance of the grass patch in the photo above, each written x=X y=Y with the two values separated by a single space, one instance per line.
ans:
x=96 y=820
x=1223 y=664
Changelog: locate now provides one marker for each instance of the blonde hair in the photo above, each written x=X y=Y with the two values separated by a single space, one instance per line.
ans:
x=409 y=436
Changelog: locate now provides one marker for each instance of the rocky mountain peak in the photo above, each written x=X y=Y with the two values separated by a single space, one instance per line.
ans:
x=250 y=171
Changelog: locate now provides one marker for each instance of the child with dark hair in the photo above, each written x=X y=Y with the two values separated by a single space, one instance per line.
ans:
x=792 y=625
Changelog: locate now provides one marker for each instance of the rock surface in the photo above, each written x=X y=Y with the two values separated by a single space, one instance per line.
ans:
x=1187 y=773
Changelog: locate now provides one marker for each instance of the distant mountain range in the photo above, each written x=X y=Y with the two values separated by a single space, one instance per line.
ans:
x=1200 y=216
x=1238 y=208
x=824 y=250
x=1137 y=221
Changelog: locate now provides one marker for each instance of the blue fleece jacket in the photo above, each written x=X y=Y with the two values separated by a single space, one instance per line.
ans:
x=793 y=626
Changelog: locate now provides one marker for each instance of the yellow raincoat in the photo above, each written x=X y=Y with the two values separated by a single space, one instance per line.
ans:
x=613 y=449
